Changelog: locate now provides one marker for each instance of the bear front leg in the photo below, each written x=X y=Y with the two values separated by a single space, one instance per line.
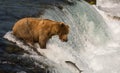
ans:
x=42 y=42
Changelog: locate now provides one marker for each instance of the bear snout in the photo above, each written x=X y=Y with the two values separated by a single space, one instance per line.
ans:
x=65 y=40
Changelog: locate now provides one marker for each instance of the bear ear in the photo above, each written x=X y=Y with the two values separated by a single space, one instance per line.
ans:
x=62 y=24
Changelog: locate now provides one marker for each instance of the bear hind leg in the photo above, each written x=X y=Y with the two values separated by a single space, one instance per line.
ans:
x=30 y=42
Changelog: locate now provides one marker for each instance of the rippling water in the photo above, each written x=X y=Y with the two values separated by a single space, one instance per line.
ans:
x=88 y=37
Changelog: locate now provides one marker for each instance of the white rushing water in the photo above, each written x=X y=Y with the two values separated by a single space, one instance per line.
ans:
x=107 y=3
x=110 y=12
x=110 y=6
x=93 y=44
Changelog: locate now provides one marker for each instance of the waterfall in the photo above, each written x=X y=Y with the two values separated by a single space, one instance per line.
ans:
x=90 y=47
x=107 y=3
x=111 y=7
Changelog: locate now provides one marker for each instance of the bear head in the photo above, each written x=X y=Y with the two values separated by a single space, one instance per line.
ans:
x=63 y=32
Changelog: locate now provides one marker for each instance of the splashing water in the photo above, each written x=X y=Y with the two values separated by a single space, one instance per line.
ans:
x=111 y=7
x=90 y=46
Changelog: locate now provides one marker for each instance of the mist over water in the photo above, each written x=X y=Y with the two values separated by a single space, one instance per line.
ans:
x=91 y=45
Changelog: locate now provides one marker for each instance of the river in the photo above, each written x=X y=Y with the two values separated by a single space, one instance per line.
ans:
x=88 y=49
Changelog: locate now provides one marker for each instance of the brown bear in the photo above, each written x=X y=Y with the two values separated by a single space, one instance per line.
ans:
x=33 y=30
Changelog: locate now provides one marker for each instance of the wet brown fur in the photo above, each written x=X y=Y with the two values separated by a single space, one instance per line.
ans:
x=33 y=30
